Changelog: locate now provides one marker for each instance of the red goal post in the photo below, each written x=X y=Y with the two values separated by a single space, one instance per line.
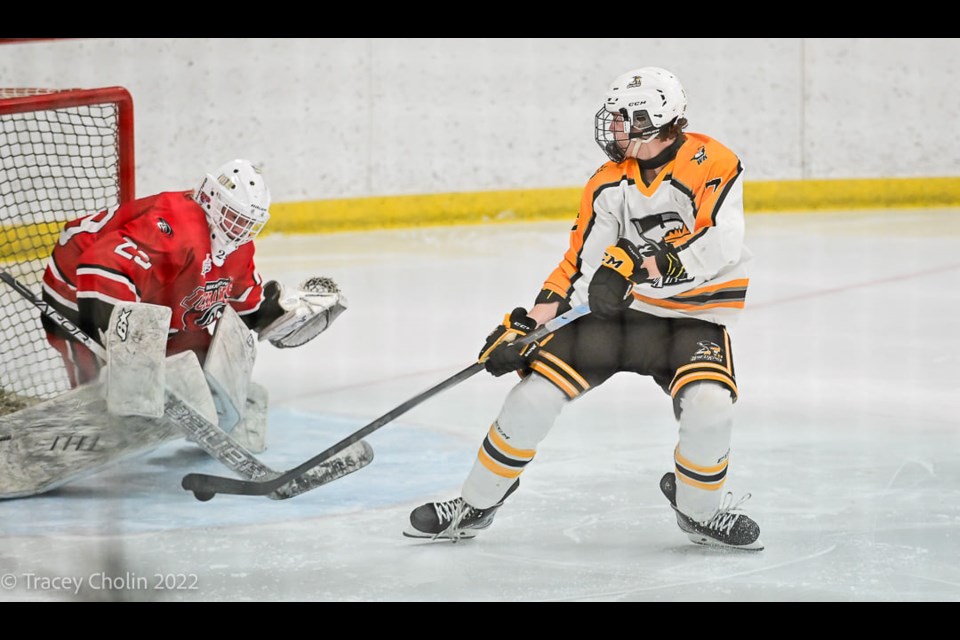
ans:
x=63 y=153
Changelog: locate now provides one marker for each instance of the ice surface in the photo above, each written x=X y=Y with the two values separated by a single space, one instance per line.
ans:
x=847 y=434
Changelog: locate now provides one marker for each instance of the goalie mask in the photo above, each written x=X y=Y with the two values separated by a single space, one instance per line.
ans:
x=638 y=105
x=237 y=202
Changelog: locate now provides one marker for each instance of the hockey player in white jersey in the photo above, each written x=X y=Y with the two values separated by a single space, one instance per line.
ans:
x=657 y=251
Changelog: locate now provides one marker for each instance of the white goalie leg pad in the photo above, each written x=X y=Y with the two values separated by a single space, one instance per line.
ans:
x=251 y=433
x=70 y=437
x=529 y=412
x=187 y=381
x=73 y=435
x=701 y=456
x=228 y=367
x=309 y=311
x=136 y=344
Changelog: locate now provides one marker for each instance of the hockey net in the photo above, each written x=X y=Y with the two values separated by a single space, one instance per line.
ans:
x=63 y=154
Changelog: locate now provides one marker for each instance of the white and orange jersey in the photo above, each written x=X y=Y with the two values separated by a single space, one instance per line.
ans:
x=695 y=203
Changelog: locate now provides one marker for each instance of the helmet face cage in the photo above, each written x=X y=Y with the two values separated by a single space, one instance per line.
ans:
x=613 y=134
x=238 y=227
x=606 y=131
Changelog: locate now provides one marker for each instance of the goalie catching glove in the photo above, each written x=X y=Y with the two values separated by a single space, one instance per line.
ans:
x=306 y=311
x=499 y=355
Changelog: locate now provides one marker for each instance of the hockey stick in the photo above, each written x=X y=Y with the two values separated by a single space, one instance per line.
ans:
x=208 y=436
x=208 y=485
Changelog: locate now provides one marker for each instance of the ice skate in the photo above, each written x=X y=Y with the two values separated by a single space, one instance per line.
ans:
x=452 y=519
x=728 y=528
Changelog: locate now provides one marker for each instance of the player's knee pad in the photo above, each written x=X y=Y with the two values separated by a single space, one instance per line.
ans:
x=705 y=406
x=529 y=411
x=706 y=419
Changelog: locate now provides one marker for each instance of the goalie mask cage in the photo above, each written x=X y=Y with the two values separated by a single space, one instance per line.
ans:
x=63 y=154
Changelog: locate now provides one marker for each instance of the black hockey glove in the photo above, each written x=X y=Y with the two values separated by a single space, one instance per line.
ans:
x=269 y=309
x=499 y=355
x=671 y=269
x=609 y=290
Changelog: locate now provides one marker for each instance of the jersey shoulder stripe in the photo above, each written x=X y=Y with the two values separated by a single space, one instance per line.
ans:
x=707 y=170
x=609 y=174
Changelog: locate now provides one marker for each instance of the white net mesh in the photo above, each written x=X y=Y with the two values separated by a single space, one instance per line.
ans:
x=56 y=163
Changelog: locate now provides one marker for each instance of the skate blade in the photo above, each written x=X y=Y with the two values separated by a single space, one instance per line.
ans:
x=464 y=535
x=706 y=541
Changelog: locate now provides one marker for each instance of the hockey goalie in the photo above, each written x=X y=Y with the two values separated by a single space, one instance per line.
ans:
x=167 y=286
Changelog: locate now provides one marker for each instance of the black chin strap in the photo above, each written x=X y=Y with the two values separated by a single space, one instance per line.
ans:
x=664 y=156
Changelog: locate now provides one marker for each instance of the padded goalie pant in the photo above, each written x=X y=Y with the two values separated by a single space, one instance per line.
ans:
x=78 y=361
x=690 y=360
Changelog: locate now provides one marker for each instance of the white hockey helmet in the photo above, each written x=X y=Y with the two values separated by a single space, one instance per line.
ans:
x=638 y=104
x=237 y=204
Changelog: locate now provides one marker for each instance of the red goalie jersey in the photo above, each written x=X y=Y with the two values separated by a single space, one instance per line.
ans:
x=155 y=250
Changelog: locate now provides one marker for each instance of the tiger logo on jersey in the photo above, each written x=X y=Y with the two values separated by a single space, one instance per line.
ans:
x=707 y=351
x=660 y=228
x=658 y=231
x=205 y=304
x=676 y=237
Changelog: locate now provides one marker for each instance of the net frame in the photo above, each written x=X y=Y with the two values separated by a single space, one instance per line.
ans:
x=64 y=153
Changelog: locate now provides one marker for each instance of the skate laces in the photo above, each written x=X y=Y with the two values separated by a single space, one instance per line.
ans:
x=725 y=517
x=447 y=510
x=453 y=510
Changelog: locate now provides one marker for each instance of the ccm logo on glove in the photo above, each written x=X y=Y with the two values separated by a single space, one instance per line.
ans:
x=499 y=355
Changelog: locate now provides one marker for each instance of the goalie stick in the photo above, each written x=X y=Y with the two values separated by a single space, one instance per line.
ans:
x=208 y=436
x=208 y=485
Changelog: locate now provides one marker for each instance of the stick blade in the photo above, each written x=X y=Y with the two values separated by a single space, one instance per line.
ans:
x=353 y=458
